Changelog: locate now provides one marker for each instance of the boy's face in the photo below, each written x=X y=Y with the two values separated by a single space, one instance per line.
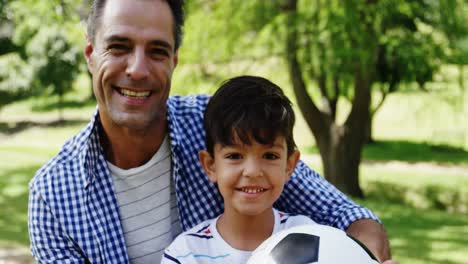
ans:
x=250 y=177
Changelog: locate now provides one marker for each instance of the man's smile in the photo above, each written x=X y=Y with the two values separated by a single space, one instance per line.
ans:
x=132 y=93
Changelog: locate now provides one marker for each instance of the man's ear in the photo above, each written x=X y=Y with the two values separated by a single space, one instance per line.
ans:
x=176 y=57
x=292 y=161
x=88 y=52
x=208 y=164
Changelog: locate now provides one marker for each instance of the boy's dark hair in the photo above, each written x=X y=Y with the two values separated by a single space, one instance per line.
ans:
x=177 y=8
x=248 y=107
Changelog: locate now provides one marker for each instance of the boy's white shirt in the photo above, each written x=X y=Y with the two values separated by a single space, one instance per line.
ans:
x=204 y=245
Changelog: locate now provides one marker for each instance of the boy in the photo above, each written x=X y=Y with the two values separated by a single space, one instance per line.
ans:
x=250 y=154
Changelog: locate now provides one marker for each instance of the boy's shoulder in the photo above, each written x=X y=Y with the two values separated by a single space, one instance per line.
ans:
x=286 y=220
x=202 y=230
x=199 y=234
x=195 y=243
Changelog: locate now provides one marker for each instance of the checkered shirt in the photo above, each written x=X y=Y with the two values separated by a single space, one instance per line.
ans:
x=73 y=213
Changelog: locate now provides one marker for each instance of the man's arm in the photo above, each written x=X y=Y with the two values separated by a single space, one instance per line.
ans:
x=48 y=244
x=310 y=194
x=373 y=235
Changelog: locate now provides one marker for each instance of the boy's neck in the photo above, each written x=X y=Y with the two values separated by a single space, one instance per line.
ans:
x=244 y=232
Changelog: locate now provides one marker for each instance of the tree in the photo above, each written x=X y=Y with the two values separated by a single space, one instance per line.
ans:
x=55 y=62
x=453 y=21
x=340 y=145
x=14 y=72
x=45 y=36
x=334 y=50
x=15 y=76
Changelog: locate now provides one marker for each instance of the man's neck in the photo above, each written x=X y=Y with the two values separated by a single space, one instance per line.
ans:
x=127 y=148
x=245 y=232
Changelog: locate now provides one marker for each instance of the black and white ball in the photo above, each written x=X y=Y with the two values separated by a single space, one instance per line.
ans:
x=311 y=244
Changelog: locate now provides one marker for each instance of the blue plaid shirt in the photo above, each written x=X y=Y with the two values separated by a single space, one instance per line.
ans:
x=73 y=214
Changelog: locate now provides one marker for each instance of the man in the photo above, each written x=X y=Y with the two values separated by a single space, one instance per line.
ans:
x=108 y=196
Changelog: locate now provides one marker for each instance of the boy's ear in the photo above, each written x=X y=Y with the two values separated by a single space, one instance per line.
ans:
x=292 y=161
x=208 y=164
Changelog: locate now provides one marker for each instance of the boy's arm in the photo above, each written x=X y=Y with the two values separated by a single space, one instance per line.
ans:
x=310 y=194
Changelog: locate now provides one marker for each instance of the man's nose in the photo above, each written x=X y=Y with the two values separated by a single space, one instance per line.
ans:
x=137 y=68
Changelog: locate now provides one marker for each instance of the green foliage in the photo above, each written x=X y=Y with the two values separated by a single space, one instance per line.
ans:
x=15 y=76
x=412 y=36
x=30 y=16
x=55 y=61
x=43 y=58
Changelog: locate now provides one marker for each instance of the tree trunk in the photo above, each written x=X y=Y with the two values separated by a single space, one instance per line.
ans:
x=341 y=160
x=369 y=139
x=340 y=146
x=461 y=83
x=60 y=107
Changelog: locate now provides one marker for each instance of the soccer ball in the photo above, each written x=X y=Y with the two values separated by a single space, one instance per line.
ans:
x=311 y=244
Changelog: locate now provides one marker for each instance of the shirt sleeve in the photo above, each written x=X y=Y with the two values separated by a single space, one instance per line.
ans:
x=49 y=244
x=309 y=194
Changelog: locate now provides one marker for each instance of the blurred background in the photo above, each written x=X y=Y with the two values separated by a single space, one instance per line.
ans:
x=379 y=88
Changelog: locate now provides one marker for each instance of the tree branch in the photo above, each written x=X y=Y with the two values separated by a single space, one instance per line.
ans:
x=314 y=118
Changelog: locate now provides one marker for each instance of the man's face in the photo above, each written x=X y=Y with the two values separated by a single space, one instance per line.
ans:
x=131 y=61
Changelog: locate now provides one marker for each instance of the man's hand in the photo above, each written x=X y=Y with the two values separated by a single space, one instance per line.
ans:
x=373 y=235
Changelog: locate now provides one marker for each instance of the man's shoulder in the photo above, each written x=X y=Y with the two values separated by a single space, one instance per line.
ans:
x=181 y=104
x=65 y=164
x=185 y=119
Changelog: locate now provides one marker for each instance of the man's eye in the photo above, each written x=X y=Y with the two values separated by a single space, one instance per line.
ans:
x=118 y=47
x=233 y=156
x=159 y=52
x=271 y=156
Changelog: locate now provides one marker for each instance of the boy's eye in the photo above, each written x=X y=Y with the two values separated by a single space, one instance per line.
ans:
x=233 y=156
x=271 y=156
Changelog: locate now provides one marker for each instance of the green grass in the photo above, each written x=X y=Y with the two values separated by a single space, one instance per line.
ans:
x=411 y=152
x=423 y=236
x=23 y=153
x=415 y=152
x=14 y=203
x=443 y=189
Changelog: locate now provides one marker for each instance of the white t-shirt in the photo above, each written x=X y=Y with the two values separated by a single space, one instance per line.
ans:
x=147 y=206
x=204 y=245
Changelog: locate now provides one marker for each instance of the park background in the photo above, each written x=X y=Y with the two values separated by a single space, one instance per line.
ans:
x=403 y=62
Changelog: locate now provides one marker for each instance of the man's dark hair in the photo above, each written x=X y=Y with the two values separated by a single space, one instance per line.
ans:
x=248 y=107
x=177 y=8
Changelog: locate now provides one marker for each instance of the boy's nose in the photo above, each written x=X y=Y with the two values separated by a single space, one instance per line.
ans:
x=252 y=168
